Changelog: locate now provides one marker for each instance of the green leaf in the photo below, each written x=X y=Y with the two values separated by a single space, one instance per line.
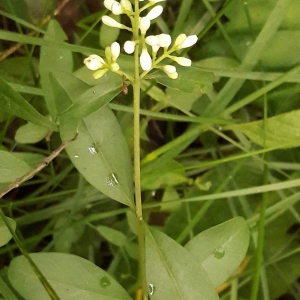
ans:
x=53 y=59
x=188 y=78
x=11 y=167
x=172 y=272
x=100 y=152
x=108 y=34
x=281 y=131
x=13 y=103
x=113 y=236
x=221 y=249
x=30 y=134
x=72 y=277
x=31 y=159
x=5 y=234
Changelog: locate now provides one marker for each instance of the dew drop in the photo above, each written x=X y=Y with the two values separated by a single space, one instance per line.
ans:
x=151 y=289
x=219 y=253
x=104 y=282
x=94 y=92
x=112 y=180
x=93 y=148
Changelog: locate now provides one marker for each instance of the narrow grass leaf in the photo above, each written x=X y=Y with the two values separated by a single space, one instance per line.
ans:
x=172 y=272
x=221 y=249
x=72 y=277
x=14 y=104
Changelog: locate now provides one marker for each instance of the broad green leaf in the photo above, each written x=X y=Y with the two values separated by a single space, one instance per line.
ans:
x=156 y=174
x=113 y=236
x=109 y=34
x=30 y=133
x=53 y=59
x=100 y=152
x=72 y=277
x=282 y=131
x=172 y=272
x=188 y=78
x=11 y=167
x=221 y=249
x=13 y=103
x=5 y=234
x=31 y=159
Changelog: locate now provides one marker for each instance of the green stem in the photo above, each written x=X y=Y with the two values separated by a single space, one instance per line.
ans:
x=137 y=173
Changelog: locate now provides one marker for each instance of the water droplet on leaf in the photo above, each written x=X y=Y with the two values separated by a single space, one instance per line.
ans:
x=219 y=253
x=93 y=148
x=112 y=180
x=151 y=289
x=104 y=282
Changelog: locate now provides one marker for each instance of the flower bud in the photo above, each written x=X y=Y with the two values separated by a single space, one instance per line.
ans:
x=183 y=61
x=116 y=8
x=164 y=40
x=151 y=40
x=108 y=3
x=115 y=51
x=99 y=73
x=144 y=24
x=111 y=22
x=155 y=12
x=114 y=67
x=188 y=42
x=180 y=39
x=173 y=75
x=129 y=47
x=169 y=69
x=126 y=5
x=94 y=62
x=145 y=60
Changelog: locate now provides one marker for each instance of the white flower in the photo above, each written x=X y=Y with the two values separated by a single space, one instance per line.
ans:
x=108 y=3
x=164 y=40
x=183 y=61
x=155 y=12
x=129 y=47
x=126 y=4
x=144 y=24
x=180 y=39
x=115 y=51
x=151 y=40
x=94 y=62
x=111 y=22
x=188 y=42
x=116 y=8
x=169 y=69
x=145 y=60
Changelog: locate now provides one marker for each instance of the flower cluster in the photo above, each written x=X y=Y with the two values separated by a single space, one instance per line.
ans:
x=154 y=42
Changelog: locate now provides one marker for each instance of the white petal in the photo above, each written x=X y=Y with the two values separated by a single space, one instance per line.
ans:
x=111 y=22
x=115 y=51
x=155 y=12
x=169 y=69
x=126 y=4
x=151 y=40
x=129 y=47
x=188 y=42
x=145 y=60
x=108 y=3
x=94 y=62
x=144 y=24
x=164 y=40
x=183 y=61
x=180 y=39
x=116 y=8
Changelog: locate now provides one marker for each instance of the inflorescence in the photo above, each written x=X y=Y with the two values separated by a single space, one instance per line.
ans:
x=154 y=42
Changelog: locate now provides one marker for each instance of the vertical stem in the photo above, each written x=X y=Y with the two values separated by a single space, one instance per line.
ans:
x=137 y=173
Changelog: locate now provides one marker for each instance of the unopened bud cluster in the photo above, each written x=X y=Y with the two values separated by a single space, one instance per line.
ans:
x=148 y=61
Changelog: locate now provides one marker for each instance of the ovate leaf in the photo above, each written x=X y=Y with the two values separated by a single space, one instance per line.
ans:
x=72 y=277
x=221 y=249
x=113 y=236
x=14 y=104
x=282 y=131
x=5 y=234
x=30 y=133
x=172 y=272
